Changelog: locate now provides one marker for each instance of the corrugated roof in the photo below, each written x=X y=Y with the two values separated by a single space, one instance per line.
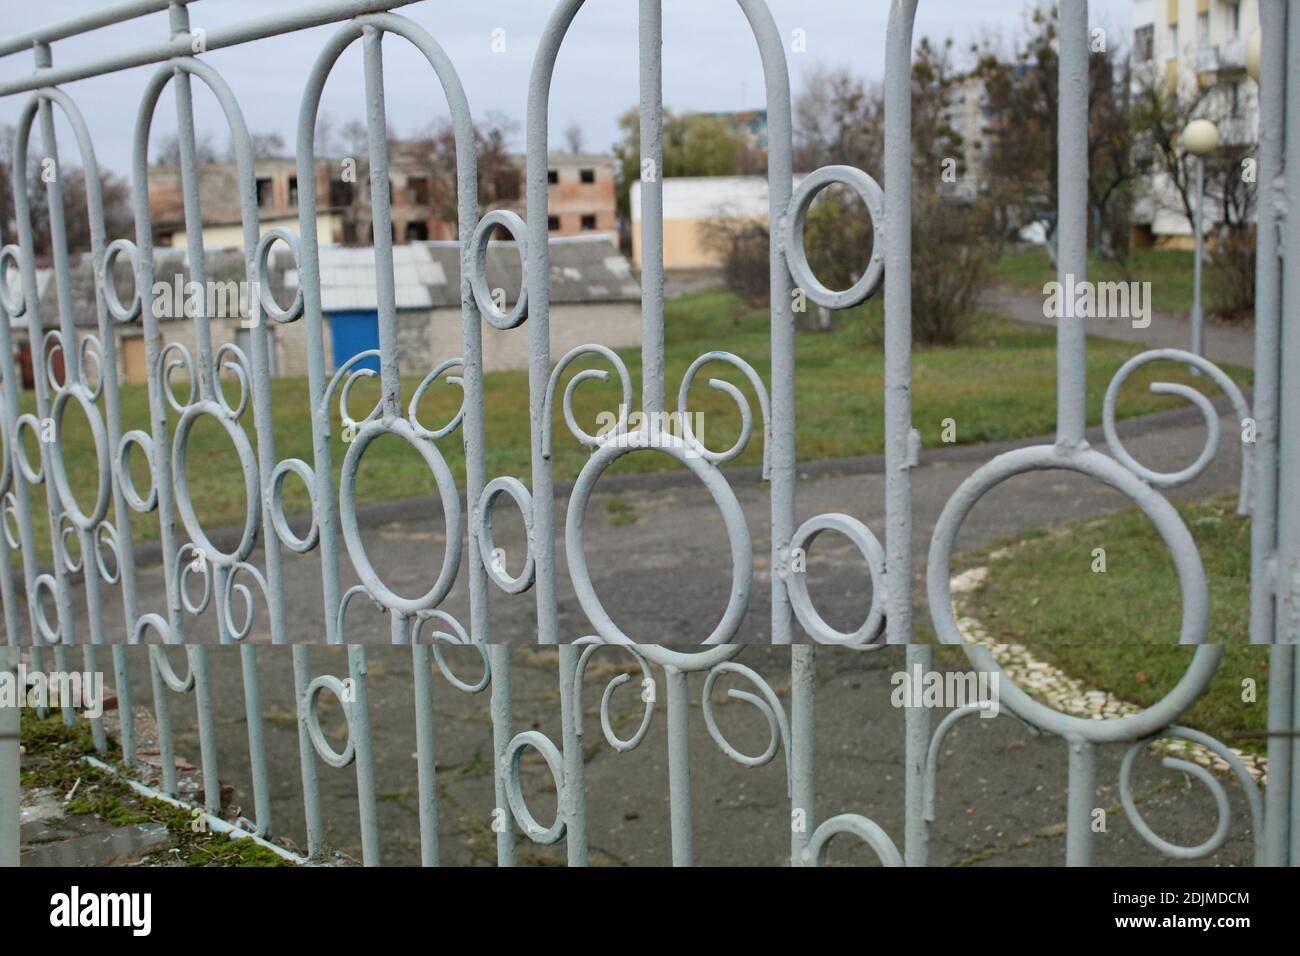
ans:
x=427 y=274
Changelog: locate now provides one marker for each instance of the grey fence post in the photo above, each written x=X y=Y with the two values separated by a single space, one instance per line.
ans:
x=9 y=764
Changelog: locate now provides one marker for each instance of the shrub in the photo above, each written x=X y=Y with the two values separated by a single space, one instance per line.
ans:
x=1232 y=277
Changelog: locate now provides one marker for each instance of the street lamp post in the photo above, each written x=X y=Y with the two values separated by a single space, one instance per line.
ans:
x=1200 y=138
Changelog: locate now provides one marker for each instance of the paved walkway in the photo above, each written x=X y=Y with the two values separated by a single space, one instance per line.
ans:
x=1230 y=344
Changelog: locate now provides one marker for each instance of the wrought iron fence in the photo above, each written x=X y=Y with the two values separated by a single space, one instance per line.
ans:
x=107 y=552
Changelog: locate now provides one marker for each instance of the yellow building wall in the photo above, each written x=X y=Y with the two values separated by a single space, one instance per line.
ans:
x=232 y=236
x=683 y=248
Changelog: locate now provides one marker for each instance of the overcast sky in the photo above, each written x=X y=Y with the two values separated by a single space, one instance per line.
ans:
x=710 y=61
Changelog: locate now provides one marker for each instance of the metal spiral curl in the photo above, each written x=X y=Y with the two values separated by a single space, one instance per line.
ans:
x=412 y=408
x=865 y=829
x=591 y=645
x=52 y=347
x=156 y=622
x=231 y=356
x=183 y=571
x=1248 y=786
x=588 y=374
x=13 y=306
x=344 y=601
x=8 y=511
x=1203 y=404
x=936 y=748
x=106 y=538
x=6 y=461
x=33 y=476
x=68 y=530
x=178 y=684
x=348 y=374
x=166 y=367
x=742 y=403
x=90 y=347
x=768 y=704
x=230 y=586
x=457 y=637
x=50 y=635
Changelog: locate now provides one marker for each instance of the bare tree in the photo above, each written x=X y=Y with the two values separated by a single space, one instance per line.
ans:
x=168 y=150
x=838 y=118
x=267 y=145
x=115 y=194
x=573 y=138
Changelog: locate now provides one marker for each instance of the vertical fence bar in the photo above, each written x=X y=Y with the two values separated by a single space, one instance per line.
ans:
x=360 y=729
x=780 y=187
x=197 y=255
x=574 y=792
x=92 y=674
x=650 y=44
x=679 y=764
x=426 y=753
x=1082 y=799
x=803 y=750
x=9 y=480
x=69 y=346
x=1288 y=511
x=1072 y=220
x=125 y=710
x=63 y=663
x=17 y=485
x=163 y=723
x=899 y=436
x=257 y=765
x=1276 y=108
x=1268 y=307
x=207 y=729
x=1294 y=848
x=1278 y=794
x=306 y=752
x=9 y=799
x=160 y=447
x=324 y=503
x=36 y=342
x=916 y=736
x=502 y=733
x=538 y=270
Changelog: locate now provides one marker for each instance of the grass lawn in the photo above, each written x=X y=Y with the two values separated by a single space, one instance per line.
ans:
x=1000 y=385
x=1168 y=270
x=1118 y=630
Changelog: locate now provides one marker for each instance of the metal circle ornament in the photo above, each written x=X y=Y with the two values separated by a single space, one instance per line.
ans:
x=742 y=553
x=796 y=220
x=447 y=492
x=511 y=223
x=797 y=580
